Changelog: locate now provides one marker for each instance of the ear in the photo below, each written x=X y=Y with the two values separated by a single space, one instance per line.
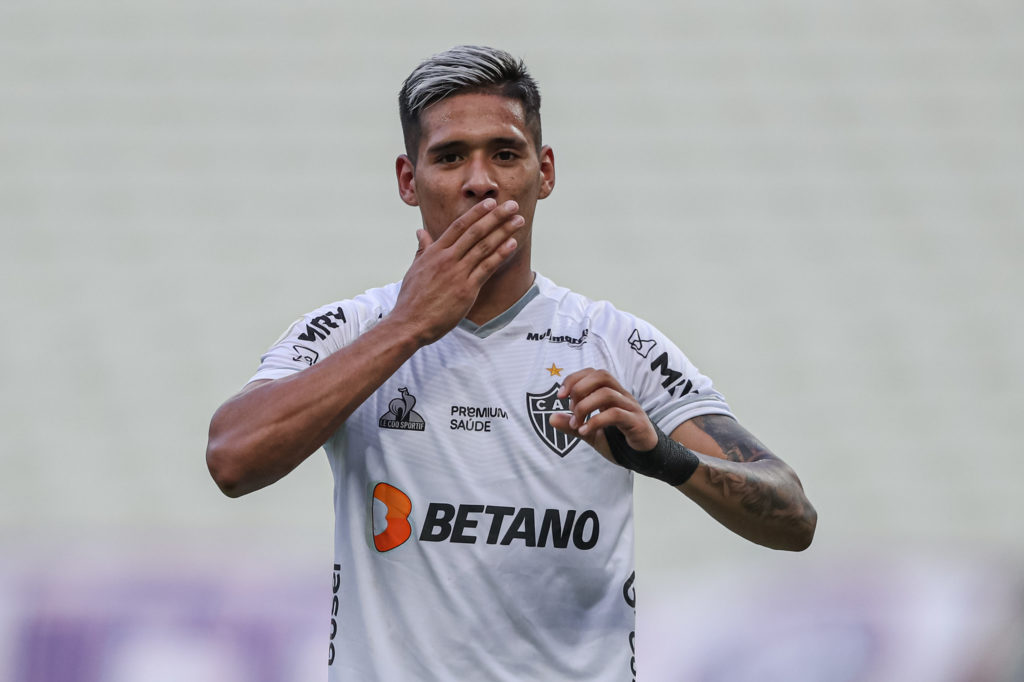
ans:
x=547 y=172
x=405 y=170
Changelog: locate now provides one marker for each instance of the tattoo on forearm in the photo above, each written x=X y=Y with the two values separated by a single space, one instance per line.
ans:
x=758 y=489
x=758 y=496
x=735 y=441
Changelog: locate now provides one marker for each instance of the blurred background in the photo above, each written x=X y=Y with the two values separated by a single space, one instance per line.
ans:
x=821 y=203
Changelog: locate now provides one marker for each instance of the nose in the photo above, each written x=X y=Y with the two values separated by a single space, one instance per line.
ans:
x=479 y=183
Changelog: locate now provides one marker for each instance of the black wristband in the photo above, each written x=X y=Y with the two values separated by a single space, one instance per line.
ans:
x=668 y=461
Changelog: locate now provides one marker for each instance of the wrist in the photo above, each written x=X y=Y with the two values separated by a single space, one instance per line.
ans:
x=667 y=461
x=406 y=330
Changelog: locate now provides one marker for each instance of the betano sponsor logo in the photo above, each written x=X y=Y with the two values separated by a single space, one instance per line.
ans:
x=458 y=524
x=469 y=524
x=393 y=529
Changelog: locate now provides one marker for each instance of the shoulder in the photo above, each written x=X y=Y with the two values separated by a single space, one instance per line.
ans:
x=370 y=304
x=622 y=334
x=378 y=301
x=324 y=330
x=600 y=315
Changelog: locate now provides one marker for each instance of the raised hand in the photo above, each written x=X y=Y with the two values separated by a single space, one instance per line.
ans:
x=597 y=393
x=445 y=277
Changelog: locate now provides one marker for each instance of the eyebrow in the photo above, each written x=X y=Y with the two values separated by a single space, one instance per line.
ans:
x=508 y=142
x=457 y=145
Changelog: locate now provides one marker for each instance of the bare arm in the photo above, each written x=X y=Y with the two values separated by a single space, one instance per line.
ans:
x=738 y=481
x=269 y=428
x=744 y=486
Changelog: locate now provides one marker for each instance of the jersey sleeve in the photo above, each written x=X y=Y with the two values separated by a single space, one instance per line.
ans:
x=316 y=335
x=669 y=387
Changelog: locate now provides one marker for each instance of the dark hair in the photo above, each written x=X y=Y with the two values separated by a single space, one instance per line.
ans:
x=460 y=70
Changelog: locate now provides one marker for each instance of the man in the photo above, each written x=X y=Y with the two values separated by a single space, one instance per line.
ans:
x=479 y=534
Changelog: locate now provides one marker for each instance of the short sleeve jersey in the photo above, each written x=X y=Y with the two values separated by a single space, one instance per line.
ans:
x=472 y=540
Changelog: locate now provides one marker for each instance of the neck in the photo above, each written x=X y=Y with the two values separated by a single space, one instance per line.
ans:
x=506 y=286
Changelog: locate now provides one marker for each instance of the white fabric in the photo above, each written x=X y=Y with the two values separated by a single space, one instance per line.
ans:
x=519 y=558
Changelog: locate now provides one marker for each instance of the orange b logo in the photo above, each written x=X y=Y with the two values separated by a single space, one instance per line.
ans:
x=396 y=528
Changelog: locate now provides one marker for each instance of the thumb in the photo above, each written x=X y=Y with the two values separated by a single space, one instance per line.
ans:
x=595 y=439
x=560 y=420
x=423 y=240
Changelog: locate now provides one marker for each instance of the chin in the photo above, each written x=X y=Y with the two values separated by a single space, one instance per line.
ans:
x=514 y=261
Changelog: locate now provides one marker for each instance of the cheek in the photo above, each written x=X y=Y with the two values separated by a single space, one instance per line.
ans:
x=431 y=196
x=438 y=210
x=532 y=183
x=443 y=209
x=529 y=191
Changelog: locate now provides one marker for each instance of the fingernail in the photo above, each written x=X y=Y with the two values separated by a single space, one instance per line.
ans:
x=489 y=203
x=511 y=206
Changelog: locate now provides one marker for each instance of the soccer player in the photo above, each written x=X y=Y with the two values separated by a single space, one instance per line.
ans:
x=483 y=424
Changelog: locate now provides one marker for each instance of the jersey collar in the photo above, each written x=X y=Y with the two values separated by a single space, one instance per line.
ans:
x=487 y=328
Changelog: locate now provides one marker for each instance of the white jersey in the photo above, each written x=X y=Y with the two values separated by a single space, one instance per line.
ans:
x=472 y=540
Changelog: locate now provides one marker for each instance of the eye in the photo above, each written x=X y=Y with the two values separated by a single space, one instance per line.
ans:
x=450 y=157
x=505 y=155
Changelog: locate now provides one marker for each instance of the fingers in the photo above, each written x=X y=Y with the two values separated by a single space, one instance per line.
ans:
x=488 y=239
x=477 y=235
x=485 y=268
x=601 y=400
x=585 y=381
x=479 y=240
x=598 y=394
x=423 y=240
x=560 y=420
x=591 y=390
x=481 y=246
x=464 y=221
x=479 y=222
x=594 y=438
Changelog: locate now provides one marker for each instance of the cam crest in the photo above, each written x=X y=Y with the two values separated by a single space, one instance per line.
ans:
x=540 y=407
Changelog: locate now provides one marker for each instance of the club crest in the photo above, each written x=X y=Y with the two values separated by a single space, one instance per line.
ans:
x=540 y=407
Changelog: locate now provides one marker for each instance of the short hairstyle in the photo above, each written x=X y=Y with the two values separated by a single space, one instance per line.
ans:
x=466 y=69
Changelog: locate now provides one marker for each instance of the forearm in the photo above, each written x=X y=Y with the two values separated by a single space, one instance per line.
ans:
x=711 y=459
x=761 y=500
x=266 y=431
x=262 y=434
